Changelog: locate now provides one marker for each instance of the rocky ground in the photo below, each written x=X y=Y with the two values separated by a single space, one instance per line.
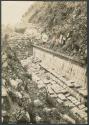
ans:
x=33 y=94
x=26 y=102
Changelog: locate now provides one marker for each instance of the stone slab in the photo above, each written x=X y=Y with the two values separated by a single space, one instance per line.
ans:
x=68 y=103
x=69 y=119
x=83 y=92
x=53 y=95
x=61 y=96
x=49 y=89
x=56 y=88
x=46 y=81
x=74 y=100
x=59 y=101
x=81 y=106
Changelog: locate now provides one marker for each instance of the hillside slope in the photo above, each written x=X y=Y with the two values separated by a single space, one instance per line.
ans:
x=65 y=25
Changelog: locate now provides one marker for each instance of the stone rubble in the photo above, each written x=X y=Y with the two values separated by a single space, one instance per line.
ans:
x=32 y=93
x=62 y=93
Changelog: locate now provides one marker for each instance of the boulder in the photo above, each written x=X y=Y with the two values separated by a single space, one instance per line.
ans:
x=37 y=103
x=38 y=119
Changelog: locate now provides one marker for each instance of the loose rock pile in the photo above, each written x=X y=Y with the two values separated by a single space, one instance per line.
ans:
x=23 y=99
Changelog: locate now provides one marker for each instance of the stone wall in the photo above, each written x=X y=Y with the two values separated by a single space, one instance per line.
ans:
x=66 y=67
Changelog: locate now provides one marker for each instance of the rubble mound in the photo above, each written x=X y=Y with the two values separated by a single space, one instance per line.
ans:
x=22 y=101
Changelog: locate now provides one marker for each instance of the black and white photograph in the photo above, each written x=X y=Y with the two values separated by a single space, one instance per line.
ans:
x=44 y=62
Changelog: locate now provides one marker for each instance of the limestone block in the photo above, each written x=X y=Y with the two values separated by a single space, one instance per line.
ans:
x=38 y=119
x=81 y=106
x=18 y=94
x=68 y=103
x=67 y=94
x=5 y=64
x=56 y=88
x=49 y=90
x=4 y=57
x=53 y=95
x=74 y=100
x=69 y=84
x=59 y=101
x=37 y=103
x=3 y=82
x=64 y=91
x=76 y=84
x=47 y=110
x=83 y=92
x=69 y=119
x=35 y=78
x=61 y=96
x=4 y=91
x=41 y=84
x=14 y=83
x=46 y=81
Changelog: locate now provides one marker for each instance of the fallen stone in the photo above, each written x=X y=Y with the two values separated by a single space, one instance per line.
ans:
x=76 y=111
x=74 y=100
x=4 y=57
x=49 y=90
x=83 y=92
x=22 y=115
x=38 y=119
x=59 y=101
x=46 y=110
x=18 y=94
x=4 y=91
x=67 y=94
x=53 y=95
x=56 y=88
x=5 y=64
x=64 y=91
x=40 y=84
x=3 y=82
x=4 y=112
x=14 y=83
x=68 y=103
x=52 y=81
x=27 y=116
x=46 y=81
x=50 y=100
x=35 y=78
x=77 y=85
x=61 y=96
x=81 y=106
x=69 y=84
x=37 y=103
x=69 y=119
x=82 y=114
x=86 y=119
